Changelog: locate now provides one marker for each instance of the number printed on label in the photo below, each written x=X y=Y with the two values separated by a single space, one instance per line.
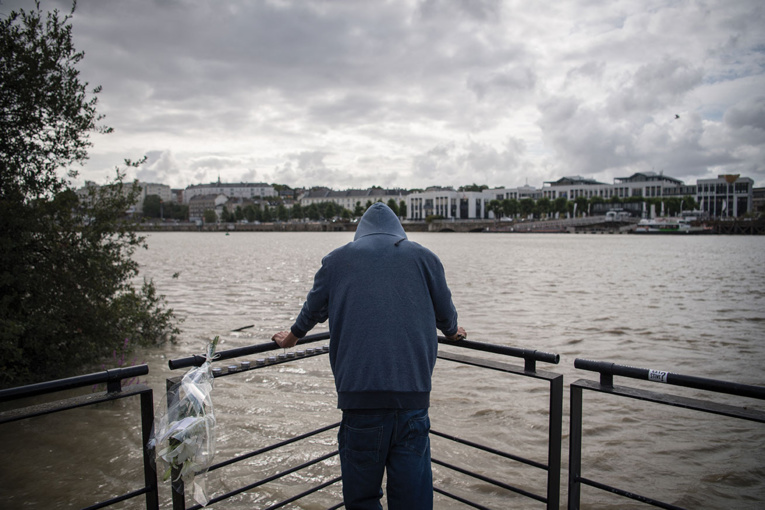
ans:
x=657 y=376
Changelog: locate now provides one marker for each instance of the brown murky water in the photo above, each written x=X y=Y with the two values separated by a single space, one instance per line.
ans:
x=689 y=305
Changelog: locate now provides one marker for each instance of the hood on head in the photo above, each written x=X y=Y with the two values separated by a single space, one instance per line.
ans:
x=379 y=219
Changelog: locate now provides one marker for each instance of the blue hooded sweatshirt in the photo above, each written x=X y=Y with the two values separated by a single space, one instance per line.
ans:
x=384 y=296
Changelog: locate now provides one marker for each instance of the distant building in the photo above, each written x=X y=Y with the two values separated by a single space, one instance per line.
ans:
x=201 y=203
x=758 y=200
x=727 y=196
x=232 y=190
x=349 y=198
x=642 y=184
x=149 y=188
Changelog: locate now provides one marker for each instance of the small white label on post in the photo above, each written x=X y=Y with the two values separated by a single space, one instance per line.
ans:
x=657 y=376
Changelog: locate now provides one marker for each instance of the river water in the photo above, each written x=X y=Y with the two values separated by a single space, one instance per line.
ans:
x=691 y=305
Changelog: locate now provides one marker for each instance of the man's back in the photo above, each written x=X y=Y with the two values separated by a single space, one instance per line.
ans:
x=384 y=297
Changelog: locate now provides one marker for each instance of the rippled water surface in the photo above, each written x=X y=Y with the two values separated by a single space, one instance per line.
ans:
x=689 y=305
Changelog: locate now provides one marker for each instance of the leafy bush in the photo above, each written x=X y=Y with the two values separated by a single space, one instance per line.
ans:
x=66 y=267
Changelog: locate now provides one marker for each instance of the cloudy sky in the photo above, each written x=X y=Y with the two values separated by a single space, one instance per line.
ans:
x=413 y=93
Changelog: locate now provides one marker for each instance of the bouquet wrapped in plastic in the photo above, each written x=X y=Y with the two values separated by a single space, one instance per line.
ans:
x=184 y=437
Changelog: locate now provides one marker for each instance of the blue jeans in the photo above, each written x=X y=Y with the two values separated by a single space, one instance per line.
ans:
x=373 y=440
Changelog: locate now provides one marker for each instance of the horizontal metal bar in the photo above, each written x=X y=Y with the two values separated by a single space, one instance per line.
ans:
x=630 y=495
x=118 y=499
x=107 y=376
x=304 y=494
x=498 y=365
x=461 y=500
x=273 y=447
x=198 y=360
x=516 y=352
x=674 y=400
x=266 y=480
x=71 y=403
x=490 y=481
x=699 y=383
x=488 y=449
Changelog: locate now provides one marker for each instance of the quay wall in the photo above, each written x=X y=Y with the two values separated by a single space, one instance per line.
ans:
x=593 y=224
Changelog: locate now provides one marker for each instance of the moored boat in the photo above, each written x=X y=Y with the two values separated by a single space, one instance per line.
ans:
x=670 y=226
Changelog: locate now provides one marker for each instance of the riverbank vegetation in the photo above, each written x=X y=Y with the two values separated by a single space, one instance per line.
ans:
x=67 y=294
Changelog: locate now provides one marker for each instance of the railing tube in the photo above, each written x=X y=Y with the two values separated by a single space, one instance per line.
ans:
x=197 y=360
x=113 y=378
x=526 y=354
x=608 y=370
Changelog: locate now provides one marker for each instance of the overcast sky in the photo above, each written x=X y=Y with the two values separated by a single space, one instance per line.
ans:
x=413 y=93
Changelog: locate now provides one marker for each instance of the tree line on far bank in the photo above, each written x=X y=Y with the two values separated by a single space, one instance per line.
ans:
x=545 y=207
x=154 y=208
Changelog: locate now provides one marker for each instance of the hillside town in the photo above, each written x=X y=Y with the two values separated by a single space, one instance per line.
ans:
x=727 y=196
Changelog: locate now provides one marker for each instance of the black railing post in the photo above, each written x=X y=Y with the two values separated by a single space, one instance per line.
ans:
x=575 y=448
x=176 y=483
x=149 y=453
x=554 y=443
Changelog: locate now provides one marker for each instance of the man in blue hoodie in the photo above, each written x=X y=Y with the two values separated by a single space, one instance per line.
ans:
x=384 y=296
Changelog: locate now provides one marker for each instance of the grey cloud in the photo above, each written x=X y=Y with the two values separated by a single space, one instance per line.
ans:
x=655 y=86
x=749 y=113
x=469 y=162
x=505 y=82
x=159 y=167
x=479 y=10
x=349 y=92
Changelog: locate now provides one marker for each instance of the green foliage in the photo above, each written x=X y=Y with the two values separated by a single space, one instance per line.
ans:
x=66 y=271
x=495 y=206
x=282 y=213
x=560 y=205
x=296 y=211
x=209 y=216
x=473 y=187
x=225 y=216
x=527 y=206
x=155 y=207
x=393 y=206
x=544 y=206
x=582 y=205
x=152 y=206
x=511 y=207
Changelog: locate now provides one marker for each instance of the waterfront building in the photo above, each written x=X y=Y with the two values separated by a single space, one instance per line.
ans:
x=349 y=198
x=717 y=197
x=145 y=189
x=249 y=190
x=729 y=195
x=201 y=203
x=641 y=184
x=446 y=202
x=758 y=200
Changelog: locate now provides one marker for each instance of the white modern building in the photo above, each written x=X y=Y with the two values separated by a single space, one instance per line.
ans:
x=729 y=195
x=643 y=184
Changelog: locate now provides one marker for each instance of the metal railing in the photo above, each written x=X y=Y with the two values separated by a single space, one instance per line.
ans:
x=555 y=417
x=606 y=385
x=179 y=496
x=552 y=467
x=114 y=391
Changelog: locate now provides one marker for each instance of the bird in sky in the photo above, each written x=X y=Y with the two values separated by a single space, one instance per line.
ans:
x=677 y=116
